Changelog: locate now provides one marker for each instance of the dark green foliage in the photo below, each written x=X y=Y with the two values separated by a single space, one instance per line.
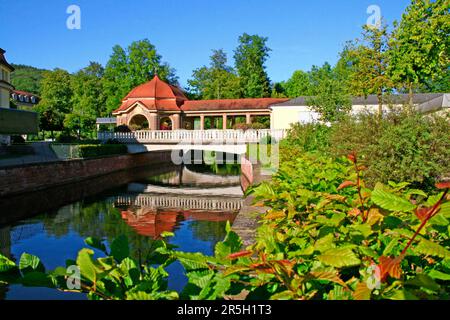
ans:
x=122 y=128
x=99 y=150
x=218 y=81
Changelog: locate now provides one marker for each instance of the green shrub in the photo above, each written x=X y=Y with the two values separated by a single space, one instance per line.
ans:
x=402 y=147
x=308 y=137
x=99 y=150
x=122 y=128
x=257 y=126
x=64 y=138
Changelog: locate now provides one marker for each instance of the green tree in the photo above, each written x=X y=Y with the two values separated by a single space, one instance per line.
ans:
x=218 y=81
x=299 y=84
x=128 y=68
x=250 y=57
x=88 y=99
x=56 y=100
x=370 y=63
x=329 y=95
x=420 y=47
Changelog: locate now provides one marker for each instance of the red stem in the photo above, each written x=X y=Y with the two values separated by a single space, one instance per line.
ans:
x=358 y=187
x=431 y=213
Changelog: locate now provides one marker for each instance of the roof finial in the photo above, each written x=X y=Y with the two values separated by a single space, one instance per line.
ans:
x=156 y=71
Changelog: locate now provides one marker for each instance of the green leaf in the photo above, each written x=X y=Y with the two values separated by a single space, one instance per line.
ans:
x=284 y=295
x=29 y=263
x=431 y=248
x=416 y=192
x=6 y=264
x=445 y=210
x=402 y=294
x=95 y=243
x=37 y=279
x=390 y=201
x=432 y=200
x=438 y=275
x=120 y=248
x=390 y=246
x=166 y=234
x=86 y=265
x=439 y=220
x=423 y=281
x=325 y=243
x=364 y=229
x=339 y=257
x=140 y=295
x=192 y=261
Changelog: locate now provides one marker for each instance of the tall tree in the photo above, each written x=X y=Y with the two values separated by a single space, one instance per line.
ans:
x=218 y=81
x=133 y=66
x=88 y=99
x=329 y=96
x=420 y=46
x=250 y=57
x=56 y=100
x=370 y=62
x=299 y=84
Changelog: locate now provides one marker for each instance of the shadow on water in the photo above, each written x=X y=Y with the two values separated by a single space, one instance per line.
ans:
x=53 y=223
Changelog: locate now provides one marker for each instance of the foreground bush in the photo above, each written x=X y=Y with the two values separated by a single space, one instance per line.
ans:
x=326 y=236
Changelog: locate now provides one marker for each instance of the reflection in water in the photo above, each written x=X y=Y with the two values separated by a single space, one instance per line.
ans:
x=57 y=233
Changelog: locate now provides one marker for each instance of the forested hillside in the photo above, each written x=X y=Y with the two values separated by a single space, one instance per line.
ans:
x=27 y=78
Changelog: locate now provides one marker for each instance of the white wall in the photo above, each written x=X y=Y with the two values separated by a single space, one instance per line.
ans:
x=282 y=117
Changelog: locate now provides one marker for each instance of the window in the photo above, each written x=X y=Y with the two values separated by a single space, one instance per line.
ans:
x=4 y=75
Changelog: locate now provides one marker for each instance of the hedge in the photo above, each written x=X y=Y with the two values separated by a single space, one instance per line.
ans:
x=99 y=150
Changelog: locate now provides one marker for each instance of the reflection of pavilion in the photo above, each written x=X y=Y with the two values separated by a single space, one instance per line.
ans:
x=150 y=214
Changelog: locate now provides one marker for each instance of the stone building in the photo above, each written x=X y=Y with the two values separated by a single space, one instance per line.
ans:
x=157 y=105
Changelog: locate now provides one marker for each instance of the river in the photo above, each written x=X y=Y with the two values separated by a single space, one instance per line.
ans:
x=192 y=201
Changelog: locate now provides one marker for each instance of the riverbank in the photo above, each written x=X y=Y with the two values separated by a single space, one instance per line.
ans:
x=34 y=177
x=246 y=221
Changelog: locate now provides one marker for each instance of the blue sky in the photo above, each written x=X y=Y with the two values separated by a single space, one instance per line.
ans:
x=301 y=33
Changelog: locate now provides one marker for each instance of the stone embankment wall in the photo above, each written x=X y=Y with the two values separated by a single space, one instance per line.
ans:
x=33 y=177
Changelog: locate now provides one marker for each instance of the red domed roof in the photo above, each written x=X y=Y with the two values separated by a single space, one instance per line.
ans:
x=158 y=89
x=154 y=95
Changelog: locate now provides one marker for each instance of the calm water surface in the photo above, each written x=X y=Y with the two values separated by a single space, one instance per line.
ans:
x=193 y=202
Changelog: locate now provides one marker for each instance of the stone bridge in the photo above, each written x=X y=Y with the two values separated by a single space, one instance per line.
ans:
x=229 y=141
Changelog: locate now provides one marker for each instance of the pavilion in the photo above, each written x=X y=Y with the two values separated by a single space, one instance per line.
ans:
x=157 y=105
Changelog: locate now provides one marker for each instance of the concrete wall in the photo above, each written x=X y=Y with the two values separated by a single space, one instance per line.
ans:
x=18 y=121
x=28 y=178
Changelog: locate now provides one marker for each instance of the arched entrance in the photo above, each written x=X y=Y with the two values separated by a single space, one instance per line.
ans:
x=138 y=122
x=165 y=123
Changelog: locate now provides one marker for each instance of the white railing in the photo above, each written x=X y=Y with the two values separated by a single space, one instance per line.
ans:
x=193 y=136
x=173 y=202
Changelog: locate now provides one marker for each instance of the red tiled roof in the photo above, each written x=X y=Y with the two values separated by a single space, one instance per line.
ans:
x=163 y=105
x=25 y=93
x=156 y=88
x=230 y=104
